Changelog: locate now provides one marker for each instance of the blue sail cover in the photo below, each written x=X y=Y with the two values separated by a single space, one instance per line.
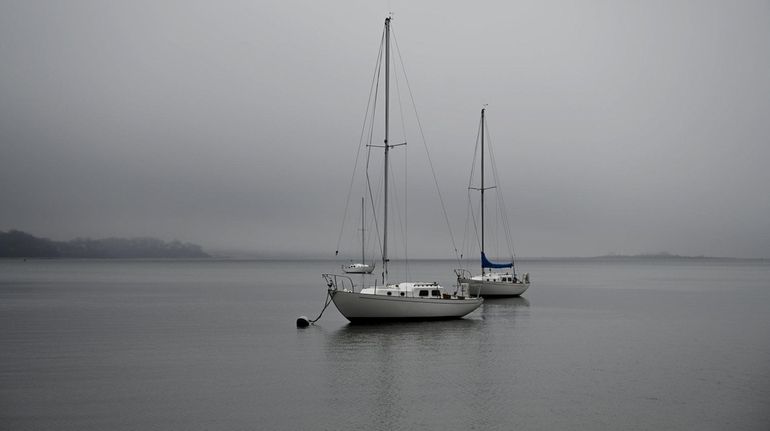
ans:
x=485 y=263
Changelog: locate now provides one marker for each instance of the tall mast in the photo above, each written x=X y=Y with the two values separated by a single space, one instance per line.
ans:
x=482 y=186
x=387 y=148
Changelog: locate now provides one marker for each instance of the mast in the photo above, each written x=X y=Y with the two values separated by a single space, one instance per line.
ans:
x=482 y=186
x=387 y=148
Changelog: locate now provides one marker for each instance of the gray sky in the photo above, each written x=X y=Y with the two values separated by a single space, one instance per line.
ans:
x=624 y=127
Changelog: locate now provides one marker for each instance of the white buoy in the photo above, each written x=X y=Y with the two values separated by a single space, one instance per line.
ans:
x=303 y=322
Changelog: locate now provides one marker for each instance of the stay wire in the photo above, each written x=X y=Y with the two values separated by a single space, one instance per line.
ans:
x=397 y=210
x=425 y=145
x=369 y=187
x=378 y=70
x=372 y=90
x=476 y=153
x=470 y=216
x=404 y=228
x=502 y=207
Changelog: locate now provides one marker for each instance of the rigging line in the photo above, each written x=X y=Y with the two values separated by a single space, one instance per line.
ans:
x=500 y=210
x=501 y=198
x=476 y=152
x=503 y=208
x=472 y=224
x=470 y=216
x=372 y=230
x=400 y=106
x=372 y=236
x=475 y=155
x=475 y=222
x=376 y=84
x=398 y=211
x=361 y=140
x=374 y=197
x=425 y=145
x=371 y=199
x=466 y=235
x=395 y=200
x=404 y=231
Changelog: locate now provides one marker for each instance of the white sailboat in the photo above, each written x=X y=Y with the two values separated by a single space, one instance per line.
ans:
x=363 y=267
x=492 y=283
x=402 y=300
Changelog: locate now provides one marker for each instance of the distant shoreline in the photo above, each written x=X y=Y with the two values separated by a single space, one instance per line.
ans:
x=16 y=244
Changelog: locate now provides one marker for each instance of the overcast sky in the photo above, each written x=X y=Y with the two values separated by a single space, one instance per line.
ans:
x=626 y=127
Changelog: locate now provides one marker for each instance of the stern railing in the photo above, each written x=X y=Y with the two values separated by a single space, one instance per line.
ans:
x=339 y=282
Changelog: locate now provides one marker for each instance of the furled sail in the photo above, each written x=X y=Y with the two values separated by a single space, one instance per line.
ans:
x=485 y=263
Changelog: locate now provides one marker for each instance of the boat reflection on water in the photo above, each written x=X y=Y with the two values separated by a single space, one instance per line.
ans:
x=513 y=302
x=396 y=369
x=505 y=309
x=381 y=333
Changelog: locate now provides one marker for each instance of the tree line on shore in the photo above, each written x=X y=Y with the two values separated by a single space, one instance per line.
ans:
x=18 y=244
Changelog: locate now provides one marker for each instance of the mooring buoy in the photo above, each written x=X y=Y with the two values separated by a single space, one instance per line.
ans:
x=303 y=322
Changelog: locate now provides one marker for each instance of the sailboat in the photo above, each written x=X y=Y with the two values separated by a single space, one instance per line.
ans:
x=363 y=267
x=401 y=300
x=491 y=283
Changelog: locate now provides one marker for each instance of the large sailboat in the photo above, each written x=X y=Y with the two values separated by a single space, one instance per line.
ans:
x=401 y=300
x=497 y=279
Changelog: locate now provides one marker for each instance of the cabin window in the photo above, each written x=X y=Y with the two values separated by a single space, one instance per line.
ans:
x=402 y=293
x=435 y=292
x=423 y=293
x=389 y=293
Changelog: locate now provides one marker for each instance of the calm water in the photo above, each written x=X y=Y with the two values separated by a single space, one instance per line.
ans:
x=193 y=345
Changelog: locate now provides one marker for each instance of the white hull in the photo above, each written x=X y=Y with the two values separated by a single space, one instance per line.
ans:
x=358 y=268
x=488 y=289
x=362 y=307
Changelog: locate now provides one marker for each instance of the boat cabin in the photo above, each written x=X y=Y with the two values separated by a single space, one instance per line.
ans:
x=419 y=290
x=497 y=277
x=502 y=277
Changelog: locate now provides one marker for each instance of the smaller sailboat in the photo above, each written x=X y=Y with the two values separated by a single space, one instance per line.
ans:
x=363 y=267
x=491 y=283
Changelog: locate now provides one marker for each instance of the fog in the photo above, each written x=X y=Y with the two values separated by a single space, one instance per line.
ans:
x=625 y=127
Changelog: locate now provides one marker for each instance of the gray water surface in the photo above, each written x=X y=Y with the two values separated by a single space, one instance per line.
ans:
x=193 y=345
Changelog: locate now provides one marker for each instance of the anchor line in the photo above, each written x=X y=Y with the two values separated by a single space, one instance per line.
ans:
x=326 y=304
